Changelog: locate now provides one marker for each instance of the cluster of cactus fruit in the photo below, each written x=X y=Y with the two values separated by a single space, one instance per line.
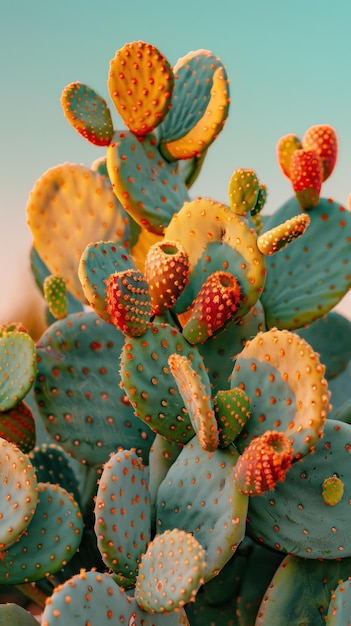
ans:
x=175 y=444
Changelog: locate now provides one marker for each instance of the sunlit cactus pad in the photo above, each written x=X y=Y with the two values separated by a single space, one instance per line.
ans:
x=171 y=572
x=88 y=113
x=17 y=367
x=284 y=379
x=88 y=421
x=18 y=486
x=49 y=541
x=69 y=206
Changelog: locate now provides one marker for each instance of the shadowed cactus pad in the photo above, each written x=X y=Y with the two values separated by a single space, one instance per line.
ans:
x=171 y=572
x=17 y=367
x=19 y=494
x=284 y=379
x=17 y=425
x=88 y=421
x=123 y=515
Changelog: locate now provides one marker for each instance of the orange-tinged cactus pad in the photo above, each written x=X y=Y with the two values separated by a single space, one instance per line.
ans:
x=69 y=206
x=263 y=463
x=140 y=84
x=285 y=149
x=323 y=140
x=19 y=493
x=171 y=572
x=284 y=379
x=167 y=273
x=88 y=113
x=280 y=236
x=306 y=175
x=196 y=392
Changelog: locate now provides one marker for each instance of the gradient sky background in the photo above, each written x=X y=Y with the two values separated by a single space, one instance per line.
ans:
x=289 y=68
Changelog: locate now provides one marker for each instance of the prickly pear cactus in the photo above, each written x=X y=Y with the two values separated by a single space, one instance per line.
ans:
x=17 y=366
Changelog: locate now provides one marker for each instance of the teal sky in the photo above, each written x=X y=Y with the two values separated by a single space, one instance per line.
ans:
x=288 y=63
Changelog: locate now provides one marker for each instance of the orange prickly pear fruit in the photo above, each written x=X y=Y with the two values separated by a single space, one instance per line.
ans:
x=323 y=140
x=285 y=149
x=306 y=174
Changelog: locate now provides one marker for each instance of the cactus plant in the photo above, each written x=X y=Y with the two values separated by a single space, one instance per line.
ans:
x=172 y=430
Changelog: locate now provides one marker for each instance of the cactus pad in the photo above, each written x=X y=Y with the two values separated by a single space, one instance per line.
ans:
x=88 y=113
x=140 y=84
x=17 y=367
x=18 y=484
x=123 y=522
x=88 y=421
x=232 y=410
x=171 y=572
x=13 y=614
x=49 y=541
x=243 y=191
x=55 y=295
x=279 y=237
x=69 y=206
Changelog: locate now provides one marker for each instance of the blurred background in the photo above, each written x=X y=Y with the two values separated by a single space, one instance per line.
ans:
x=288 y=64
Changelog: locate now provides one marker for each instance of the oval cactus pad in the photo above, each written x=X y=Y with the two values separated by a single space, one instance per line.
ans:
x=17 y=367
x=140 y=83
x=284 y=380
x=78 y=394
x=69 y=206
x=88 y=113
x=18 y=487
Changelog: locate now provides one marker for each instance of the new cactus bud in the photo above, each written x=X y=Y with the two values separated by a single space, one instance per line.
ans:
x=232 y=410
x=171 y=572
x=56 y=295
x=279 y=237
x=261 y=200
x=323 y=140
x=140 y=84
x=243 y=191
x=128 y=302
x=167 y=273
x=332 y=490
x=306 y=175
x=88 y=113
x=216 y=303
x=263 y=463
x=285 y=149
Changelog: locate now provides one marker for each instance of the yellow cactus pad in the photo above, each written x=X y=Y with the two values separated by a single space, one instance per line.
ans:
x=140 y=84
x=279 y=237
x=68 y=207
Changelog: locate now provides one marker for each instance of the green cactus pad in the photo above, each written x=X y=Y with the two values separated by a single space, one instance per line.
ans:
x=149 y=384
x=18 y=484
x=170 y=573
x=232 y=410
x=196 y=393
x=95 y=599
x=123 y=515
x=49 y=541
x=200 y=106
x=163 y=453
x=53 y=465
x=88 y=113
x=17 y=425
x=330 y=336
x=14 y=615
x=149 y=188
x=243 y=191
x=216 y=239
x=309 y=278
x=17 y=367
x=301 y=592
x=55 y=295
x=140 y=84
x=284 y=379
x=294 y=517
x=198 y=496
x=88 y=420
x=128 y=302
x=340 y=605
x=69 y=206
x=98 y=261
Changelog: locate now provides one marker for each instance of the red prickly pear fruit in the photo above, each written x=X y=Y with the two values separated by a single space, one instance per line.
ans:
x=286 y=147
x=128 y=302
x=323 y=140
x=306 y=174
x=263 y=463
x=215 y=304
x=167 y=273
x=332 y=490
